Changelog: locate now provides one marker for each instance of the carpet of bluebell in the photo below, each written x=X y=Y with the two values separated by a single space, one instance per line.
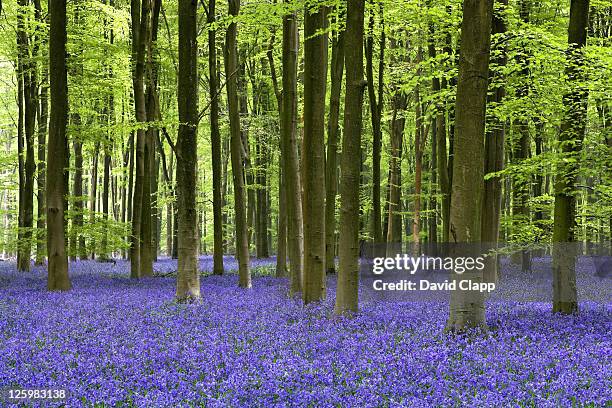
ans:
x=112 y=341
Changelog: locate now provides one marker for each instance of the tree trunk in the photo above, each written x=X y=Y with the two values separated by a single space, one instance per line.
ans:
x=315 y=81
x=573 y=127
x=215 y=137
x=520 y=187
x=43 y=117
x=94 y=193
x=394 y=222
x=140 y=39
x=231 y=69
x=333 y=138
x=289 y=149
x=348 y=272
x=376 y=105
x=494 y=155
x=281 y=252
x=467 y=307
x=58 y=278
x=188 y=276
x=26 y=71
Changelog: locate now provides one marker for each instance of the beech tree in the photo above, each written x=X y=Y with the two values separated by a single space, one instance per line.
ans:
x=315 y=80
x=188 y=277
x=467 y=307
x=289 y=146
x=348 y=272
x=57 y=149
x=573 y=126
x=231 y=72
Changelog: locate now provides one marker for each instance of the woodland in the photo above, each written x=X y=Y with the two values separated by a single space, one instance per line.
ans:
x=188 y=189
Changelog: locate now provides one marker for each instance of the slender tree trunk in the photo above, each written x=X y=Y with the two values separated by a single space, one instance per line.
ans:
x=494 y=154
x=26 y=67
x=520 y=188
x=394 y=223
x=281 y=253
x=573 y=127
x=43 y=117
x=58 y=278
x=215 y=137
x=169 y=209
x=376 y=105
x=467 y=307
x=140 y=39
x=94 y=193
x=348 y=272
x=333 y=138
x=77 y=239
x=420 y=138
x=289 y=149
x=231 y=70
x=130 y=194
x=315 y=80
x=188 y=277
x=42 y=147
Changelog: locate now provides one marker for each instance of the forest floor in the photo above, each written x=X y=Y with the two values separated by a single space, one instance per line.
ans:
x=113 y=341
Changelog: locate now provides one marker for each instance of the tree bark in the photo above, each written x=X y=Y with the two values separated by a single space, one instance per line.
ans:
x=333 y=138
x=348 y=272
x=289 y=149
x=494 y=152
x=315 y=81
x=140 y=39
x=43 y=118
x=573 y=126
x=26 y=67
x=231 y=69
x=188 y=276
x=376 y=105
x=215 y=137
x=58 y=278
x=467 y=307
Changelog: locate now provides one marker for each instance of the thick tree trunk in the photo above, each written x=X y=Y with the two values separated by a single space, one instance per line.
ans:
x=215 y=137
x=231 y=70
x=573 y=126
x=289 y=149
x=315 y=81
x=188 y=277
x=348 y=272
x=58 y=278
x=467 y=307
x=333 y=138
